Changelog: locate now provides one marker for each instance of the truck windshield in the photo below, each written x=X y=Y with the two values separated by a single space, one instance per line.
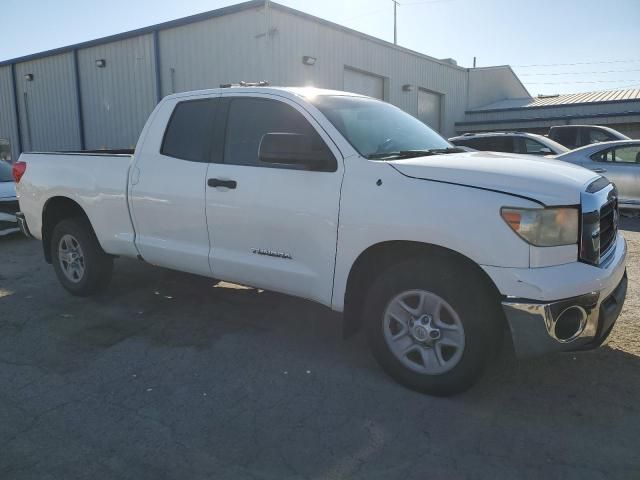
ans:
x=377 y=129
x=5 y=172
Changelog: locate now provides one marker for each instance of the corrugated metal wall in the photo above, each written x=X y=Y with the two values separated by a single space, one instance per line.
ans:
x=245 y=45
x=208 y=53
x=337 y=48
x=8 y=126
x=117 y=99
x=48 y=104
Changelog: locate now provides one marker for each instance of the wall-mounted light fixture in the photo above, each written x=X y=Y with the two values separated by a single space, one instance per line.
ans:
x=307 y=60
x=101 y=63
x=408 y=88
x=29 y=77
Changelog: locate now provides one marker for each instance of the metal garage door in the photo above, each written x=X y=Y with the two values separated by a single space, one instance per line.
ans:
x=430 y=108
x=363 y=83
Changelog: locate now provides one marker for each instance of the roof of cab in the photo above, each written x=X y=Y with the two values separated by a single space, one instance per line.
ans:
x=304 y=92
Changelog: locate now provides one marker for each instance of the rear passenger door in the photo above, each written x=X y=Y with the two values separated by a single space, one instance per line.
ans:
x=168 y=185
x=272 y=227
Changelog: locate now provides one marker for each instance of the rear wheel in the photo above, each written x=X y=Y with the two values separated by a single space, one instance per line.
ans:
x=432 y=325
x=81 y=265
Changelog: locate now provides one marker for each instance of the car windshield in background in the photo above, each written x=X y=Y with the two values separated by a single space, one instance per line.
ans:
x=379 y=130
x=5 y=172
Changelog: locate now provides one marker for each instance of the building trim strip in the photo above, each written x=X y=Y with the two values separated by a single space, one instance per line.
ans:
x=16 y=107
x=156 y=56
x=76 y=75
x=544 y=119
x=557 y=105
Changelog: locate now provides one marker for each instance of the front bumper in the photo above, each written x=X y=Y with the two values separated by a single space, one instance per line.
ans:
x=578 y=322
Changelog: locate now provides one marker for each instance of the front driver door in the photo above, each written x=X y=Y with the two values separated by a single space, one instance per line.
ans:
x=168 y=185
x=272 y=227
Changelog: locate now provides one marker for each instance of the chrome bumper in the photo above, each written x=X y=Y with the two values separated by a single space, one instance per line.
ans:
x=22 y=224
x=579 y=323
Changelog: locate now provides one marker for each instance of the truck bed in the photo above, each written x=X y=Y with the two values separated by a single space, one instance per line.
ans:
x=97 y=182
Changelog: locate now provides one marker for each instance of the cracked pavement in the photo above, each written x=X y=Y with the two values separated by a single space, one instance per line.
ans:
x=166 y=376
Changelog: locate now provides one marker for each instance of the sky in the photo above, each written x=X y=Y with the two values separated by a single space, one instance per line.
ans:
x=555 y=46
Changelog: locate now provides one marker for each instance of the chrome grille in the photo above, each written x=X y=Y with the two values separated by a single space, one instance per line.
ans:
x=599 y=222
x=608 y=226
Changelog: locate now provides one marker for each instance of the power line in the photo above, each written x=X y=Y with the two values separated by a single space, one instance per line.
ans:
x=633 y=60
x=579 y=73
x=592 y=81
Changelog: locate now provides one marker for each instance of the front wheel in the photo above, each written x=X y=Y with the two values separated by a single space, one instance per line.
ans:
x=82 y=267
x=432 y=326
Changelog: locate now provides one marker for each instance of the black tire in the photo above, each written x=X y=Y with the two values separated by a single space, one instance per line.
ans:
x=98 y=266
x=464 y=289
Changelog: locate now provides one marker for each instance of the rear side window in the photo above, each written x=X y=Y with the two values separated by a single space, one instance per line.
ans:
x=249 y=119
x=190 y=130
x=492 y=144
x=628 y=154
x=5 y=171
x=566 y=136
x=531 y=147
x=596 y=136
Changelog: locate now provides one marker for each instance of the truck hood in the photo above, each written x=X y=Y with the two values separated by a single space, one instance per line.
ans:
x=548 y=181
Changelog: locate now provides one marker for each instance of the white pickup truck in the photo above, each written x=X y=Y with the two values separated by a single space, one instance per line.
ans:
x=352 y=203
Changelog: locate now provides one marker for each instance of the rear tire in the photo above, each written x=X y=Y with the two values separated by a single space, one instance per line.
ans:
x=433 y=324
x=82 y=267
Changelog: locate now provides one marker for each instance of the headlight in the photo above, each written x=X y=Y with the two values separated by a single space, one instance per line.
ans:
x=544 y=227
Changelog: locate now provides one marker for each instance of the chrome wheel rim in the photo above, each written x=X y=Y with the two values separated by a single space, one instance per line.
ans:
x=71 y=258
x=424 y=332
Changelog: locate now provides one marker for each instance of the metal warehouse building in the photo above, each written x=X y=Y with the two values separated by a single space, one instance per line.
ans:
x=98 y=94
x=619 y=109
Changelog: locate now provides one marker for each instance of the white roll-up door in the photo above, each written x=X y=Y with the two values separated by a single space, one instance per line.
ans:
x=430 y=108
x=363 y=83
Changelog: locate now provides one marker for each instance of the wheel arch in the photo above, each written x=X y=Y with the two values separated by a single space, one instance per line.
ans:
x=378 y=257
x=55 y=210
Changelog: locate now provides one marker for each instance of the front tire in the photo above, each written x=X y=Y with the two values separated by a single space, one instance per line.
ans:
x=82 y=267
x=432 y=325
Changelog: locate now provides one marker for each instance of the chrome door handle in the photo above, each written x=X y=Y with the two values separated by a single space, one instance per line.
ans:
x=599 y=170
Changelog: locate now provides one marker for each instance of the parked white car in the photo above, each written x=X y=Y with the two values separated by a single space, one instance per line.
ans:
x=619 y=161
x=8 y=200
x=350 y=202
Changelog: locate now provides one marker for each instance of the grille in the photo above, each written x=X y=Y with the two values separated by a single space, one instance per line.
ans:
x=599 y=222
x=608 y=226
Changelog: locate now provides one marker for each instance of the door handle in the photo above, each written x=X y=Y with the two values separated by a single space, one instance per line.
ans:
x=599 y=170
x=218 y=182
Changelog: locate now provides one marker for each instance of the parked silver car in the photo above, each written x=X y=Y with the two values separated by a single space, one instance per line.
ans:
x=8 y=200
x=618 y=161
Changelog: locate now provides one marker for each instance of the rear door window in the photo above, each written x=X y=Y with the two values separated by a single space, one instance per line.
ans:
x=596 y=136
x=530 y=146
x=5 y=150
x=566 y=136
x=493 y=144
x=5 y=171
x=190 y=130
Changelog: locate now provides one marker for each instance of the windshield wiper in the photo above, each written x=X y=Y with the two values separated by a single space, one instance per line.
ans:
x=413 y=153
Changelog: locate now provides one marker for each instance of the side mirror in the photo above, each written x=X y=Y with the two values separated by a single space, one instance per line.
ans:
x=294 y=149
x=545 y=151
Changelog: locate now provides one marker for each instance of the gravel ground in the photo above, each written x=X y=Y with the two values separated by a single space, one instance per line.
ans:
x=167 y=376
